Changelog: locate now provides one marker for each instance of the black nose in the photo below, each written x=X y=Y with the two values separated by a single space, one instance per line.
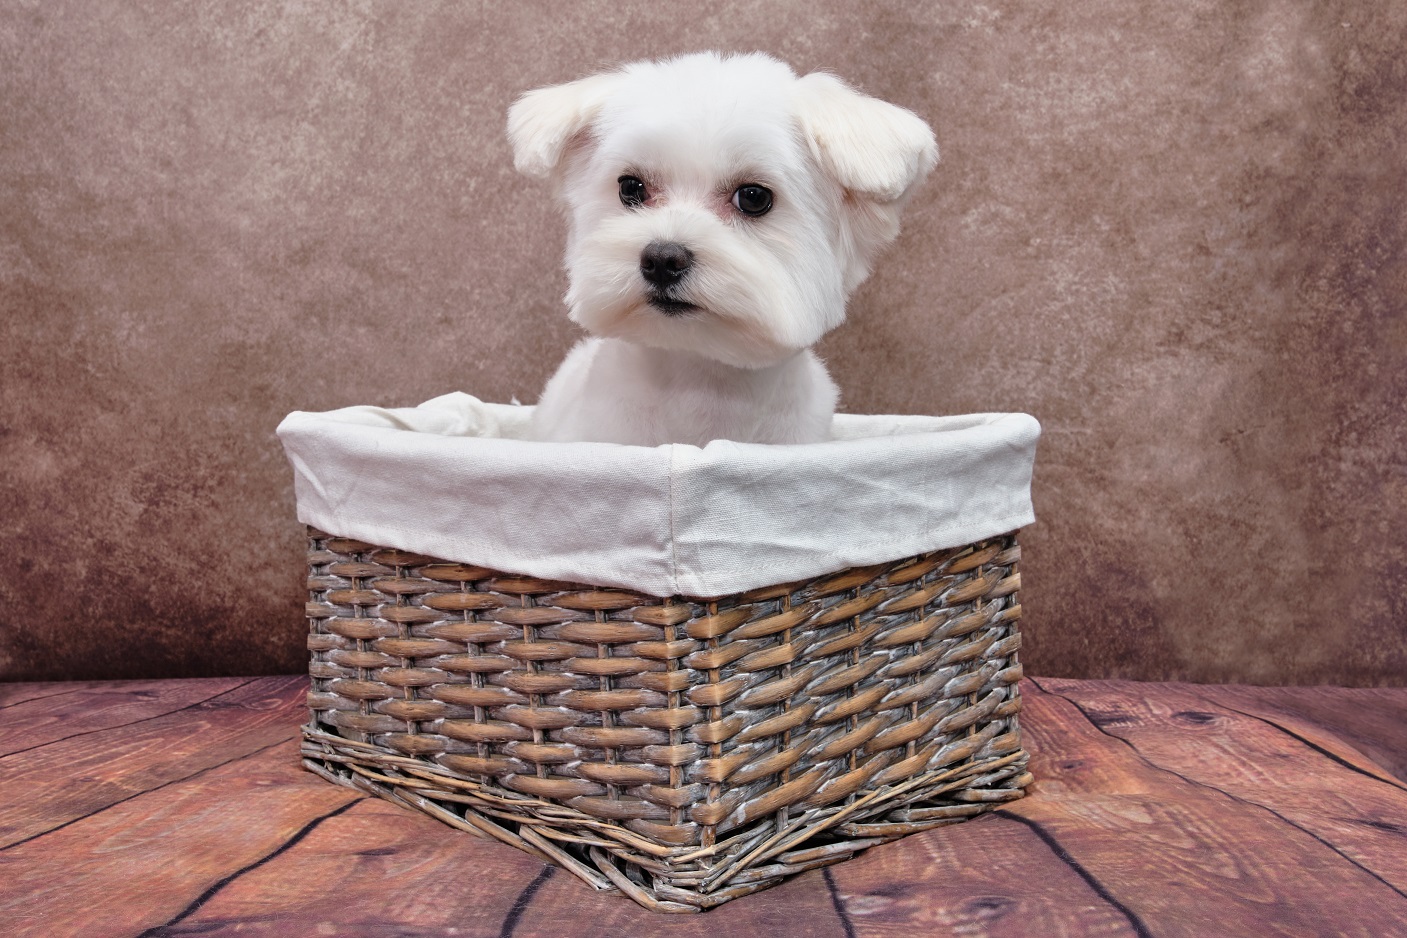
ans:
x=663 y=263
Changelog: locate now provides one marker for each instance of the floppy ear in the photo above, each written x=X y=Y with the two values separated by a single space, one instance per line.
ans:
x=877 y=152
x=541 y=123
x=872 y=148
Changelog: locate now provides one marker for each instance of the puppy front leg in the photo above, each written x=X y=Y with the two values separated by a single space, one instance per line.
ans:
x=562 y=414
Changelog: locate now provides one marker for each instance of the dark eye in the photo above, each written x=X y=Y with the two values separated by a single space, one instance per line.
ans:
x=752 y=200
x=632 y=191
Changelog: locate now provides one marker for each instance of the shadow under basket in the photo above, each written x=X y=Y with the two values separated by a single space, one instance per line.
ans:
x=683 y=751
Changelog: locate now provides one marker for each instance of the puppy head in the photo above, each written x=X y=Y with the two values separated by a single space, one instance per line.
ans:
x=720 y=205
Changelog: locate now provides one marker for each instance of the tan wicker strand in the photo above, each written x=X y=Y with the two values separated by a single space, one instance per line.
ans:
x=681 y=751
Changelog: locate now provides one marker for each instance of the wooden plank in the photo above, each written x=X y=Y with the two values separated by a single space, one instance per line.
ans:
x=11 y=694
x=1148 y=819
x=991 y=876
x=1373 y=720
x=376 y=870
x=66 y=780
x=35 y=722
x=1185 y=859
x=1361 y=816
x=21 y=691
x=564 y=905
x=380 y=869
x=141 y=863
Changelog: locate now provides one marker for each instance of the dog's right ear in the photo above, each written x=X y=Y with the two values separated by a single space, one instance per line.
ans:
x=543 y=122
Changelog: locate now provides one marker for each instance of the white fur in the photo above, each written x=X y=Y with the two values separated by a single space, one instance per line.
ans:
x=789 y=402
x=840 y=166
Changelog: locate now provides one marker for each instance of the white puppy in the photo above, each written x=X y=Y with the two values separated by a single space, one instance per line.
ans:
x=722 y=210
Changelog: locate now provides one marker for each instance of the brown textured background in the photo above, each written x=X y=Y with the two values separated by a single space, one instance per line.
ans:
x=1173 y=232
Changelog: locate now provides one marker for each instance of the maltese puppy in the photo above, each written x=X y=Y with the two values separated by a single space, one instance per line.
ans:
x=722 y=210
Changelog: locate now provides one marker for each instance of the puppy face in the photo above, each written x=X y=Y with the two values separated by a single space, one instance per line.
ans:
x=719 y=205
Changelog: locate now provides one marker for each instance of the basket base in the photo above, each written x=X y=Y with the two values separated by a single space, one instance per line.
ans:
x=663 y=879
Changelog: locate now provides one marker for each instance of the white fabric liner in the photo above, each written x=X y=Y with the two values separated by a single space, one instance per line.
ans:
x=452 y=478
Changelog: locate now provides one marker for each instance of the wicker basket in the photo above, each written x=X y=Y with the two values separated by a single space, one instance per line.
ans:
x=684 y=751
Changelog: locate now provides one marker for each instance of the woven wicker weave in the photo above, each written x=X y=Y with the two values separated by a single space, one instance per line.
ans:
x=683 y=751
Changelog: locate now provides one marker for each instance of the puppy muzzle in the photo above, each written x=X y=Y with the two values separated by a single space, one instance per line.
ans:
x=663 y=264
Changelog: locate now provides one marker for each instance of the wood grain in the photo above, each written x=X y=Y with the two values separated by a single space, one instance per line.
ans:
x=1158 y=810
x=71 y=778
x=31 y=723
x=376 y=869
x=563 y=905
x=1190 y=858
x=11 y=694
x=991 y=876
x=141 y=863
x=1352 y=808
x=1373 y=720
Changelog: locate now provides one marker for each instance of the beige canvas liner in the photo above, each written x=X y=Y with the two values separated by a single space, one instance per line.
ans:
x=453 y=479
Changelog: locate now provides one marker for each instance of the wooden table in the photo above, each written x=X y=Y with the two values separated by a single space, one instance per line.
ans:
x=179 y=808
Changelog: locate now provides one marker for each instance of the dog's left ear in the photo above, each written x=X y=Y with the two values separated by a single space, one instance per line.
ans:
x=542 y=123
x=877 y=152
x=871 y=147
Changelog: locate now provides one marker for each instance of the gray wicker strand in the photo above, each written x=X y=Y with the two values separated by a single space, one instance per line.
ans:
x=682 y=751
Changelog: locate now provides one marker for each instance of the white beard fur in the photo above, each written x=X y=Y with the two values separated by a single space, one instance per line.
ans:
x=610 y=391
x=764 y=288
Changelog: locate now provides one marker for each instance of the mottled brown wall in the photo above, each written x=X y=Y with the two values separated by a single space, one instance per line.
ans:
x=1172 y=231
